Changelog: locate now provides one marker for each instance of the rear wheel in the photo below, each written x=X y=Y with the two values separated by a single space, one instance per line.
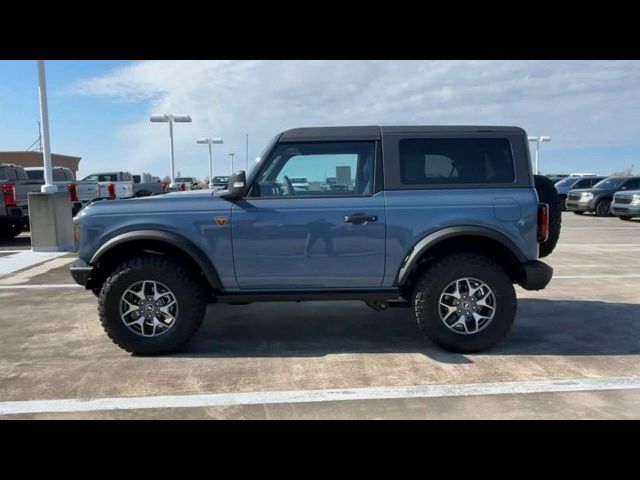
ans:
x=603 y=208
x=548 y=194
x=152 y=305
x=464 y=303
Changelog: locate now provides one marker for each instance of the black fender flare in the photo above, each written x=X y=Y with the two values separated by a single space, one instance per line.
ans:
x=438 y=236
x=185 y=245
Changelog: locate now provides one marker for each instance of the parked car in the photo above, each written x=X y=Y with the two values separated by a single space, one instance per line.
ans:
x=146 y=185
x=574 y=182
x=443 y=220
x=185 y=183
x=65 y=180
x=15 y=186
x=112 y=184
x=626 y=205
x=300 y=183
x=219 y=182
x=598 y=198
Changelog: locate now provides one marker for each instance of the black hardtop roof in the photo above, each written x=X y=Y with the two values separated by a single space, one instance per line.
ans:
x=375 y=132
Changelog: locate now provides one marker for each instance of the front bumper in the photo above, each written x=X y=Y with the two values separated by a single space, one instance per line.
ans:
x=575 y=206
x=537 y=275
x=81 y=272
x=625 y=209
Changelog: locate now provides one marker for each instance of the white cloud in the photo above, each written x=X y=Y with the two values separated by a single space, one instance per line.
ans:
x=578 y=103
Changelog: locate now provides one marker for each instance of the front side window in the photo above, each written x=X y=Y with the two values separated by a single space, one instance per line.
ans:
x=609 y=183
x=450 y=161
x=633 y=184
x=586 y=183
x=317 y=169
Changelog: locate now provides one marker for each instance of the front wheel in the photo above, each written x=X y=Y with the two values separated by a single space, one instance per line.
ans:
x=152 y=305
x=465 y=303
x=563 y=203
x=603 y=209
x=578 y=213
x=625 y=218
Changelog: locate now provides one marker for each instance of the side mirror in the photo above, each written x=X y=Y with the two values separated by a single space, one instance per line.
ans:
x=237 y=187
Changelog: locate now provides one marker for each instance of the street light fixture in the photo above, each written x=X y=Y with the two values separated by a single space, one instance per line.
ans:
x=538 y=141
x=231 y=154
x=210 y=142
x=170 y=118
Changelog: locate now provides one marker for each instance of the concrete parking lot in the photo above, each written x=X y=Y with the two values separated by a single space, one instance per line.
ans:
x=574 y=351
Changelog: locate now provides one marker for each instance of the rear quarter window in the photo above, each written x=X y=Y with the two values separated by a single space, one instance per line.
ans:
x=456 y=161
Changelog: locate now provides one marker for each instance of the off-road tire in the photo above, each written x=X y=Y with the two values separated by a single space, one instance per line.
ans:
x=603 y=208
x=435 y=278
x=189 y=291
x=548 y=194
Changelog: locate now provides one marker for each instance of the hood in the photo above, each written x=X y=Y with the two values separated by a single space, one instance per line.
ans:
x=175 y=201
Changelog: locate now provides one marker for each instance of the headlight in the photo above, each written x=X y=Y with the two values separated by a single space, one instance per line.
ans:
x=636 y=199
x=586 y=196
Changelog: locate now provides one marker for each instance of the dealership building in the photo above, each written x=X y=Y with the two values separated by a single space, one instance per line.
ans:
x=35 y=159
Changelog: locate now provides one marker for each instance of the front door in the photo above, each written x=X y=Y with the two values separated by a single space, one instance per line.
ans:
x=312 y=220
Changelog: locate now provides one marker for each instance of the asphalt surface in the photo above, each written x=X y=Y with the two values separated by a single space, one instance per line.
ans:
x=584 y=327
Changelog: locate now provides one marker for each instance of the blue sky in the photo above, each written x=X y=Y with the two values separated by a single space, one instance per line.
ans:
x=99 y=109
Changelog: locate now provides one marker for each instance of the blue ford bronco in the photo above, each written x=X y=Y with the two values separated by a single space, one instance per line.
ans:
x=443 y=220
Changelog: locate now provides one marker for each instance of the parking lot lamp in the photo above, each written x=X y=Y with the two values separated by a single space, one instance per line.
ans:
x=48 y=186
x=538 y=141
x=210 y=142
x=231 y=154
x=170 y=118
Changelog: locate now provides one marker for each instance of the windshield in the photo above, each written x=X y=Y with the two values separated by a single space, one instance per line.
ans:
x=609 y=183
x=184 y=179
x=567 y=182
x=220 y=179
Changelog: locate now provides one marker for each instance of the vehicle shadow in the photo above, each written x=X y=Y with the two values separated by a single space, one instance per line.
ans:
x=21 y=241
x=315 y=329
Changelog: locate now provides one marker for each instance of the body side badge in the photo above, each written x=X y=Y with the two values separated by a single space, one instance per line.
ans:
x=221 y=220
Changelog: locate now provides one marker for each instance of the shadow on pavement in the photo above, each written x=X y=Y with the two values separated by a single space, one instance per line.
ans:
x=21 y=241
x=315 y=329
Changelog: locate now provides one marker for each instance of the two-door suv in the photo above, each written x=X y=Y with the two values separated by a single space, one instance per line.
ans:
x=444 y=220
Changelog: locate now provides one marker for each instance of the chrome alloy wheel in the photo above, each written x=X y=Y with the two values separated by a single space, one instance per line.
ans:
x=467 y=306
x=148 y=308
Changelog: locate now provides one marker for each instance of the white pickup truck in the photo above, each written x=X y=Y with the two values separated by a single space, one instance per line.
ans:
x=112 y=184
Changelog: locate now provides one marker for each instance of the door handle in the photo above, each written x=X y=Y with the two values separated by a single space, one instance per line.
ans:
x=360 y=219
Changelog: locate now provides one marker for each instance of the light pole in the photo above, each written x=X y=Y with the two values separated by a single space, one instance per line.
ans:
x=538 y=141
x=170 y=118
x=48 y=186
x=210 y=142
x=231 y=154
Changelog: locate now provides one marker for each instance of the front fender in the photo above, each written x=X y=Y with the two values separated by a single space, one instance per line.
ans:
x=171 y=238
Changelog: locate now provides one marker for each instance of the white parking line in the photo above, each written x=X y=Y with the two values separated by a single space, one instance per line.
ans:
x=306 y=396
x=622 y=275
x=40 y=287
